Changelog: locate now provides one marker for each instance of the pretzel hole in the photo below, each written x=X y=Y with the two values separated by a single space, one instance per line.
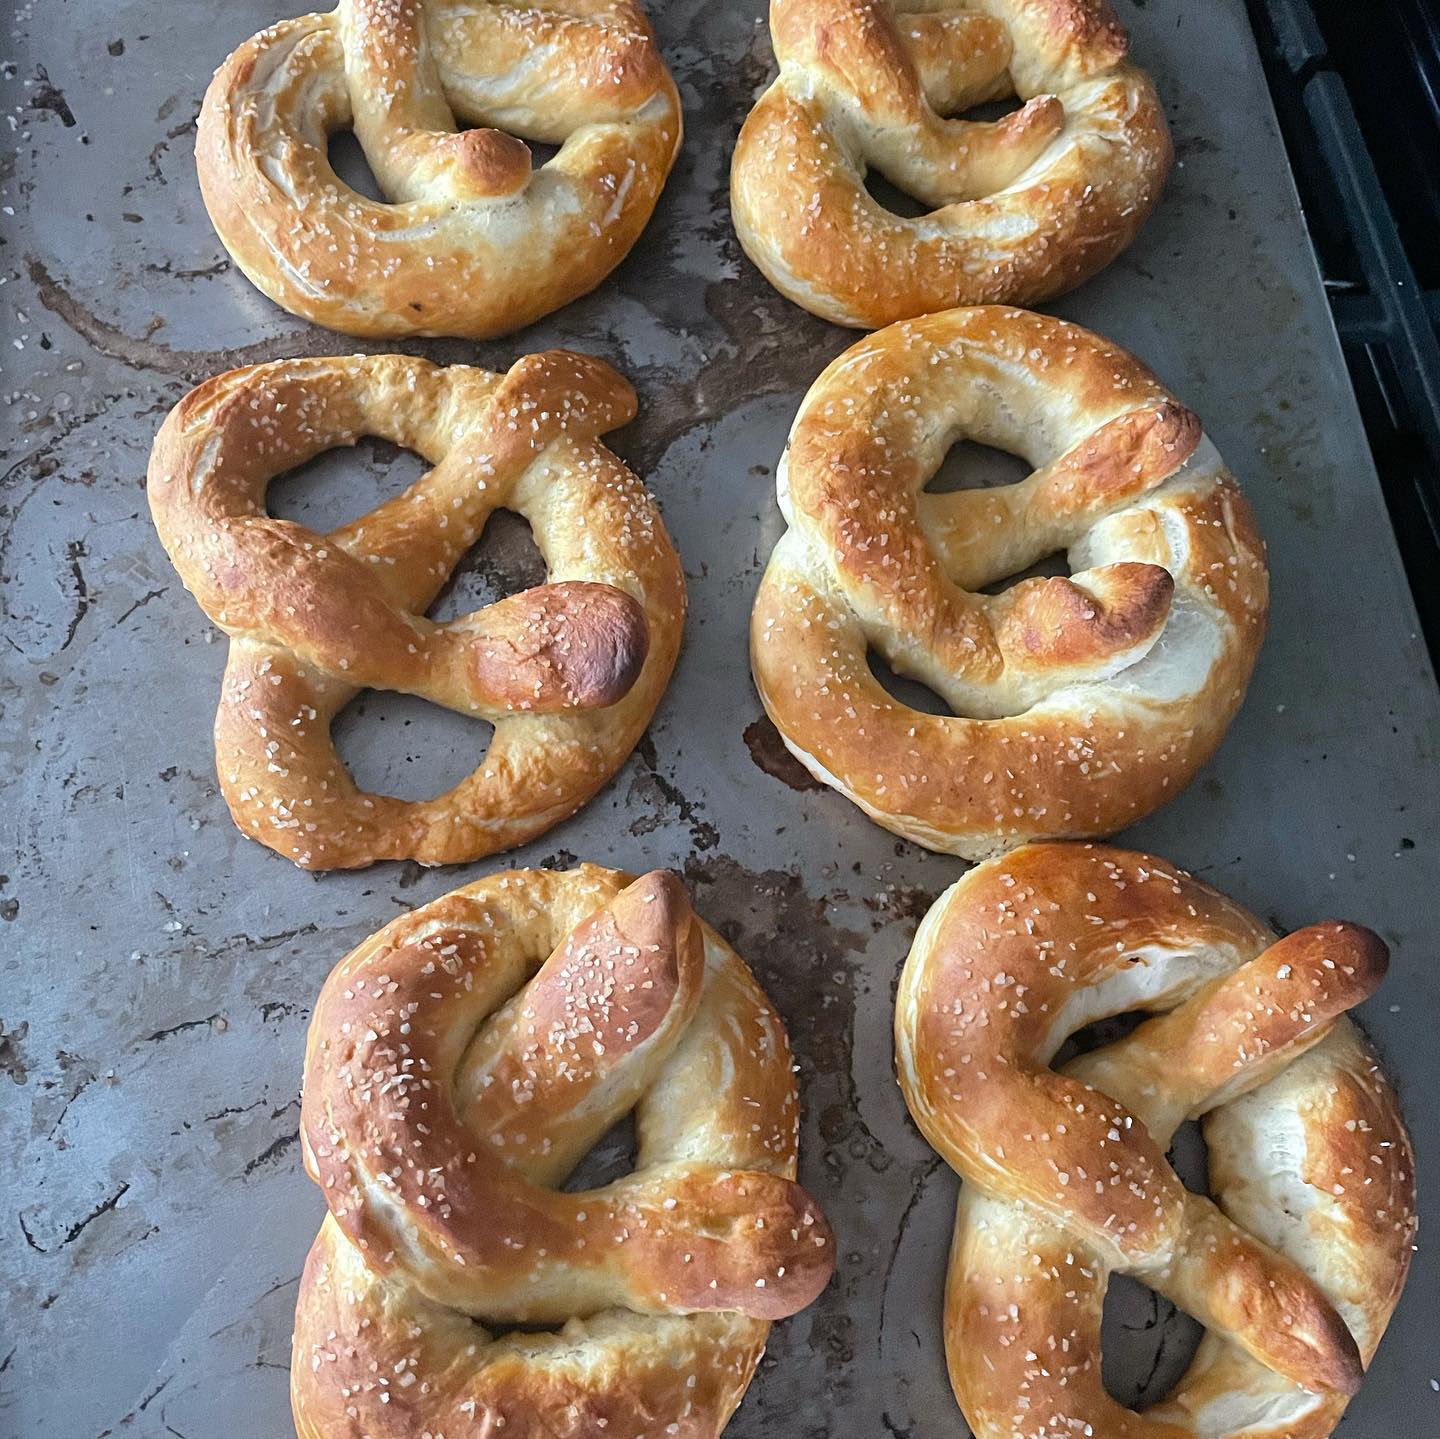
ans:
x=1098 y=1034
x=541 y=154
x=347 y=160
x=340 y=485
x=1146 y=1343
x=892 y=198
x=969 y=465
x=912 y=693
x=503 y=561
x=612 y=1157
x=405 y=747
x=987 y=112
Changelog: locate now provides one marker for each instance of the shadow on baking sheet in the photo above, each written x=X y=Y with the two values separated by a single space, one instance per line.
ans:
x=892 y=197
x=909 y=692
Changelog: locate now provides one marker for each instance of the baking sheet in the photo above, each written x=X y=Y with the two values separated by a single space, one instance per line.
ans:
x=156 y=970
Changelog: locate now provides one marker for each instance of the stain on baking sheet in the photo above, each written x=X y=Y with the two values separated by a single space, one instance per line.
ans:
x=768 y=751
x=45 y=96
x=808 y=965
x=109 y=797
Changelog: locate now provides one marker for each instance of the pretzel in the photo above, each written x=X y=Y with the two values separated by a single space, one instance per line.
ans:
x=472 y=241
x=1294 y=1267
x=569 y=673
x=454 y=1077
x=1078 y=704
x=1022 y=209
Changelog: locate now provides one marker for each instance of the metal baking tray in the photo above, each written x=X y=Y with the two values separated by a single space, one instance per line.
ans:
x=158 y=970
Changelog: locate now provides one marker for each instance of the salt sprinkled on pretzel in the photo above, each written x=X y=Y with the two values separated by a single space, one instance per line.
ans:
x=470 y=241
x=1079 y=703
x=455 y=1076
x=1022 y=208
x=1294 y=1266
x=569 y=672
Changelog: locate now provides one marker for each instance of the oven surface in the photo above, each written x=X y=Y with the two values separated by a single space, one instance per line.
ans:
x=158 y=969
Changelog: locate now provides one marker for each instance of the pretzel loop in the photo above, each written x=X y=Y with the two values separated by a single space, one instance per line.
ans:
x=472 y=242
x=453 y=1082
x=1065 y=1174
x=1079 y=701
x=1023 y=207
x=568 y=672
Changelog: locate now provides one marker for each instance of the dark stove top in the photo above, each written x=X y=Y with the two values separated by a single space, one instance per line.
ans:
x=1357 y=91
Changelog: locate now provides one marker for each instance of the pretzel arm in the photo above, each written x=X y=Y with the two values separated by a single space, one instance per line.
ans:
x=981 y=535
x=1239 y=1030
x=1087 y=627
x=553 y=1069
x=401 y=116
x=962 y=57
x=548 y=73
x=558 y=647
x=1239 y=1287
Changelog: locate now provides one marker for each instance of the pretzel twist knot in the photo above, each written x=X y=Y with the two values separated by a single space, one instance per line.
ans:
x=1078 y=703
x=472 y=241
x=455 y=1076
x=1296 y=1264
x=1021 y=209
x=569 y=672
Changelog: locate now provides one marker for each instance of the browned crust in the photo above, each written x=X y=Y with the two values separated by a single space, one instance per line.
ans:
x=997 y=963
x=569 y=673
x=858 y=568
x=596 y=1026
x=433 y=265
x=803 y=215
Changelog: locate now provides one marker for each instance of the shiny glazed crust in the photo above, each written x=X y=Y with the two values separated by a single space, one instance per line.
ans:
x=1022 y=209
x=471 y=241
x=569 y=673
x=1078 y=704
x=1296 y=1265
x=460 y=1063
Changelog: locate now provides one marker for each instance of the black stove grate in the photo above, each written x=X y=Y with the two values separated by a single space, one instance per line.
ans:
x=1357 y=91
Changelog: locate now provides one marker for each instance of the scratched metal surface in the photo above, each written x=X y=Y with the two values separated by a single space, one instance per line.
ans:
x=158 y=970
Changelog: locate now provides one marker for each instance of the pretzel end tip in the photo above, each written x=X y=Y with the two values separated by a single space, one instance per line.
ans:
x=615 y=643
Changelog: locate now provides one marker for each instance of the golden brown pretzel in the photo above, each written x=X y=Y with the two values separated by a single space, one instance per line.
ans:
x=1079 y=704
x=569 y=673
x=1295 y=1266
x=1022 y=209
x=472 y=242
x=454 y=1077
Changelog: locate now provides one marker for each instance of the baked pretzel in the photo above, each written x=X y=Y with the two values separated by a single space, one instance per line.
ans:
x=1022 y=209
x=1079 y=704
x=454 y=1077
x=569 y=673
x=1296 y=1264
x=473 y=241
